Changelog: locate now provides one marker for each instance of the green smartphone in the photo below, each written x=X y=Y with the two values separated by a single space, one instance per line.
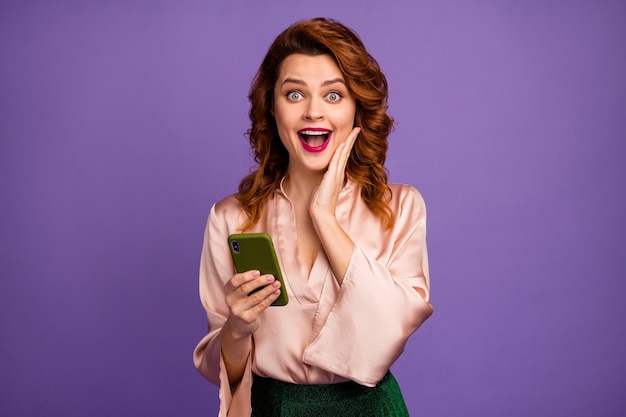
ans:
x=256 y=251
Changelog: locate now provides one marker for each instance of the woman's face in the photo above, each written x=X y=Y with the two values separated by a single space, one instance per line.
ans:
x=314 y=110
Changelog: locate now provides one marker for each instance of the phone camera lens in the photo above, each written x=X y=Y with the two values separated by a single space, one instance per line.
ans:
x=236 y=247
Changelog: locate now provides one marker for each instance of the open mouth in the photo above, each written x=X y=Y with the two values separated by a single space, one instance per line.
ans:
x=314 y=140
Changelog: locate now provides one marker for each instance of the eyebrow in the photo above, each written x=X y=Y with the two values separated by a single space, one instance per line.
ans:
x=324 y=84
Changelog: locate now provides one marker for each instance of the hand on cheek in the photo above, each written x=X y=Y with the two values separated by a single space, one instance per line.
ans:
x=324 y=197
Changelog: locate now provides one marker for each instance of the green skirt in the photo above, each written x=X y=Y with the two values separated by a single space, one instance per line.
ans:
x=273 y=398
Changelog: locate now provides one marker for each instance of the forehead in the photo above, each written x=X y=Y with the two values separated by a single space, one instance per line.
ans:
x=309 y=68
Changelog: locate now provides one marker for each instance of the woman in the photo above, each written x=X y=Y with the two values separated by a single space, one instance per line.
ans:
x=351 y=246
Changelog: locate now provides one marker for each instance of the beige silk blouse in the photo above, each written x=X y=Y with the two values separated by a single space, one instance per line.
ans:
x=326 y=333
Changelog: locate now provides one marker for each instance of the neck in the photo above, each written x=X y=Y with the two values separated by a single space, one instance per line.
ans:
x=301 y=186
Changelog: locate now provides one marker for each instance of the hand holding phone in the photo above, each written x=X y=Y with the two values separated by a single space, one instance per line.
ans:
x=255 y=251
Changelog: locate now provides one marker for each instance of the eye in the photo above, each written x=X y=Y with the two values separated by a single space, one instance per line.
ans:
x=294 y=95
x=333 y=96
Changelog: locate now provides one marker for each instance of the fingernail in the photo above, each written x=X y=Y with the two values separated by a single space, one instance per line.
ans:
x=256 y=273
x=269 y=278
x=276 y=284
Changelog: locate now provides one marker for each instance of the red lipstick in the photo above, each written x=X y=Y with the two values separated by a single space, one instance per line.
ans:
x=314 y=139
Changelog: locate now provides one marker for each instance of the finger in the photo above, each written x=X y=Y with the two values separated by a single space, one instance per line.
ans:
x=252 y=304
x=266 y=291
x=255 y=285
x=247 y=296
x=349 y=144
x=265 y=297
x=340 y=158
x=352 y=138
x=241 y=279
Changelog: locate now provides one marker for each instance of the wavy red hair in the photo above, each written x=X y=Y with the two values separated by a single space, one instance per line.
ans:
x=368 y=86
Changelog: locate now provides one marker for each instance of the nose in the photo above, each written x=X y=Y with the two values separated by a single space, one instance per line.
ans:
x=314 y=110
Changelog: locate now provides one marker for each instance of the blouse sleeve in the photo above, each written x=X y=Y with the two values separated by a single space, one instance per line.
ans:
x=215 y=269
x=378 y=306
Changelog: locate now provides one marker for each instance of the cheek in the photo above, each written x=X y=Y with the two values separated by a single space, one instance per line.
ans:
x=283 y=131
x=348 y=118
x=281 y=115
x=281 y=126
x=349 y=114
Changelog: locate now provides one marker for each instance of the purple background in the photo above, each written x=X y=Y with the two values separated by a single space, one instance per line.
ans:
x=121 y=122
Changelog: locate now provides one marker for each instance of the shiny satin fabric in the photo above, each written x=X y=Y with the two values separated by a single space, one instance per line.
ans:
x=327 y=333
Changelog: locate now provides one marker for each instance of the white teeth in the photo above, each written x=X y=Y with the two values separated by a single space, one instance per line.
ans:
x=314 y=132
